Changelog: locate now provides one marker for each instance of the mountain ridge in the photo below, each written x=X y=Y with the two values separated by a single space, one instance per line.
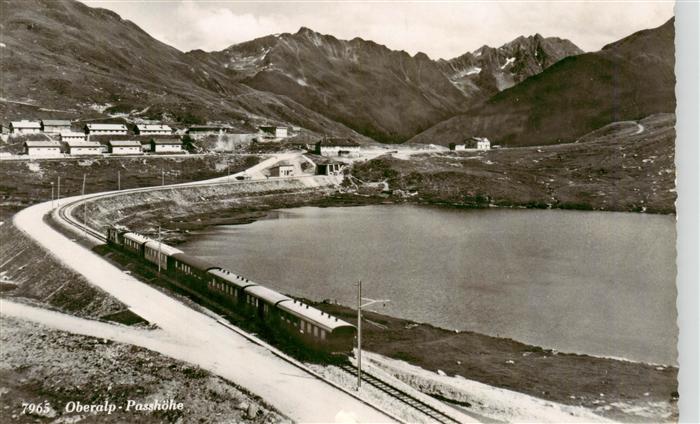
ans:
x=382 y=93
x=629 y=79
x=489 y=70
x=63 y=52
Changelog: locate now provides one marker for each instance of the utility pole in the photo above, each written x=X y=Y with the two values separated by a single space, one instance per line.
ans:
x=119 y=180
x=359 y=334
x=359 y=327
x=162 y=176
x=160 y=243
x=51 y=194
x=84 y=206
x=58 y=192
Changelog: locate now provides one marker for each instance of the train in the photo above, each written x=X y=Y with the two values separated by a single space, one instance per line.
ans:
x=307 y=326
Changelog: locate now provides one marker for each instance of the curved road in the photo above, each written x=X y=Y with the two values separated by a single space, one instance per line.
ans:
x=199 y=339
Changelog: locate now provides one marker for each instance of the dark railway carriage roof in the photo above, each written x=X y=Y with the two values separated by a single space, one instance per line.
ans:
x=268 y=295
x=168 y=250
x=311 y=314
x=194 y=262
x=234 y=279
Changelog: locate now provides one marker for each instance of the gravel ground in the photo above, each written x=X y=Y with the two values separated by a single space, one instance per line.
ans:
x=40 y=364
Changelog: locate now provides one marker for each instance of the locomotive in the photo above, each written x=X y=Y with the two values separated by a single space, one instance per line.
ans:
x=310 y=327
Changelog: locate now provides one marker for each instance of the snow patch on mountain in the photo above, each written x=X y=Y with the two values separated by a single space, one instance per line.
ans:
x=508 y=62
x=474 y=70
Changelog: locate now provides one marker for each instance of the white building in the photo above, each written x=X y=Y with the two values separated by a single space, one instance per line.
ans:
x=282 y=169
x=25 y=127
x=336 y=147
x=125 y=147
x=72 y=136
x=106 y=129
x=166 y=146
x=42 y=148
x=84 y=148
x=276 y=132
x=474 y=143
x=55 y=126
x=150 y=129
x=482 y=143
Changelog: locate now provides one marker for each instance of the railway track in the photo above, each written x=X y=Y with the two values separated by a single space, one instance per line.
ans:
x=65 y=212
x=401 y=395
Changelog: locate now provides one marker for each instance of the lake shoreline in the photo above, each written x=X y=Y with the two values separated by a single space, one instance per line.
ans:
x=574 y=379
x=607 y=386
x=178 y=234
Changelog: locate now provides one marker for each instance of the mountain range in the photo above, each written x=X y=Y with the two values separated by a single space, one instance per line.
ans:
x=63 y=58
x=488 y=70
x=627 y=80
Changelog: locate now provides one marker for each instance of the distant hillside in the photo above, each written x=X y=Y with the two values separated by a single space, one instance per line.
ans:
x=626 y=80
x=488 y=70
x=384 y=94
x=63 y=55
x=624 y=166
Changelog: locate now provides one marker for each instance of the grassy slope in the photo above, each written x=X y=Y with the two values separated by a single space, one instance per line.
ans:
x=64 y=55
x=26 y=182
x=32 y=274
x=611 y=169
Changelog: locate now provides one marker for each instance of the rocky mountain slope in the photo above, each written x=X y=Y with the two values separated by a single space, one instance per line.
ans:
x=488 y=70
x=384 y=94
x=64 y=58
x=626 y=80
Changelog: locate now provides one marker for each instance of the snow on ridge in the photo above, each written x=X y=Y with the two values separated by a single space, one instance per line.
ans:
x=508 y=62
x=474 y=70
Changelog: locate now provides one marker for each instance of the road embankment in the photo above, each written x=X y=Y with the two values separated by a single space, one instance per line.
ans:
x=33 y=275
x=179 y=209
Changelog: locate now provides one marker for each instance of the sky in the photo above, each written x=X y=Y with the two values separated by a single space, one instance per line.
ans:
x=441 y=29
